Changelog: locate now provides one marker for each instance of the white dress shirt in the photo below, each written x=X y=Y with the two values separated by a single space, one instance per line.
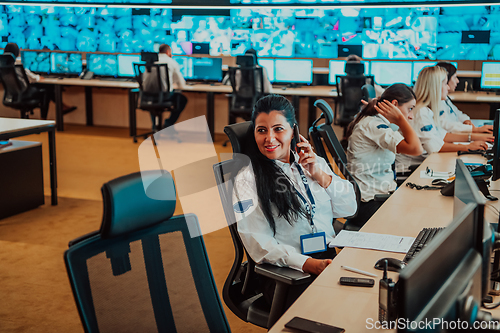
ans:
x=283 y=248
x=431 y=136
x=452 y=119
x=370 y=155
x=175 y=77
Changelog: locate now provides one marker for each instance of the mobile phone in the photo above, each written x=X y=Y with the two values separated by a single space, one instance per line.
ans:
x=356 y=282
x=296 y=135
x=387 y=307
x=306 y=325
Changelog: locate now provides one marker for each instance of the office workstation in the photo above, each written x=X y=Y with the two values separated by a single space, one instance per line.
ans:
x=302 y=50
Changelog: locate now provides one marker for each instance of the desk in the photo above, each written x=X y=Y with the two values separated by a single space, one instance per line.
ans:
x=13 y=128
x=405 y=213
x=312 y=92
x=88 y=84
x=478 y=97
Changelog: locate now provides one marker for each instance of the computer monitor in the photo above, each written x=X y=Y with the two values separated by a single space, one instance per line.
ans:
x=344 y=50
x=435 y=283
x=466 y=191
x=387 y=73
x=37 y=62
x=293 y=71
x=206 y=69
x=102 y=64
x=490 y=75
x=336 y=67
x=268 y=64
x=66 y=63
x=126 y=64
x=186 y=66
x=419 y=65
x=201 y=48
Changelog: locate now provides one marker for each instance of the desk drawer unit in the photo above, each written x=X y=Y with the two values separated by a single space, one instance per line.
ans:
x=21 y=177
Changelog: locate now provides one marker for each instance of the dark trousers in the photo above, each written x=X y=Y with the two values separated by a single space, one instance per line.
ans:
x=268 y=285
x=365 y=211
x=180 y=102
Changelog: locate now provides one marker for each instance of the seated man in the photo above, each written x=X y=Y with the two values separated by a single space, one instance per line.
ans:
x=176 y=81
x=35 y=90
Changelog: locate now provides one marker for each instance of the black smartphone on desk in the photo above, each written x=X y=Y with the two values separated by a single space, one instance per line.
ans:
x=306 y=325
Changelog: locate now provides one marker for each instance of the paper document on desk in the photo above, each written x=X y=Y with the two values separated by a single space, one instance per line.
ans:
x=366 y=240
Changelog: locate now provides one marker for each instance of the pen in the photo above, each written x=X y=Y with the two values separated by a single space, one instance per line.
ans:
x=355 y=270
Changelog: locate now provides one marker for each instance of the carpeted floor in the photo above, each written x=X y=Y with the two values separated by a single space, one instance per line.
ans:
x=35 y=295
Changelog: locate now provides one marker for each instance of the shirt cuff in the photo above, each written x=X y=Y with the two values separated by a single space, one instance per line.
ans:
x=296 y=261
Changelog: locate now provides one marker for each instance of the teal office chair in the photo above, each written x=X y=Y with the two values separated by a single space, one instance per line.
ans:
x=142 y=271
x=241 y=290
x=323 y=135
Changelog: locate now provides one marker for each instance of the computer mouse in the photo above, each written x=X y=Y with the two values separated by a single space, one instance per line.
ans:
x=283 y=88
x=393 y=264
x=439 y=182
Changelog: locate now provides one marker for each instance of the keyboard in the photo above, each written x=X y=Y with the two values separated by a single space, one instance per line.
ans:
x=472 y=166
x=422 y=240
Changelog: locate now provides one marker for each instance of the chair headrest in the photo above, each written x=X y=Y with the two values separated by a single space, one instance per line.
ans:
x=368 y=92
x=354 y=68
x=247 y=60
x=7 y=60
x=241 y=136
x=326 y=109
x=127 y=207
x=149 y=57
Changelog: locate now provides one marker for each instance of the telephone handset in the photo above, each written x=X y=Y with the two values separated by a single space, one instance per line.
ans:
x=86 y=75
x=296 y=135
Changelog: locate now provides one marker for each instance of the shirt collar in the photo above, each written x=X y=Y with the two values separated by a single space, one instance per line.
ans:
x=383 y=118
x=293 y=159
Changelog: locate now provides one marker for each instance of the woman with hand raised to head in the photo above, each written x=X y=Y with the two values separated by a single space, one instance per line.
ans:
x=285 y=200
x=430 y=89
x=373 y=144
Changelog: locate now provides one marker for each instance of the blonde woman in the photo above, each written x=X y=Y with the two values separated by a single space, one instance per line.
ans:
x=430 y=89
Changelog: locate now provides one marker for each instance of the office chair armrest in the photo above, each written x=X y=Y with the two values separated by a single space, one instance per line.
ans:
x=285 y=275
x=82 y=238
x=381 y=197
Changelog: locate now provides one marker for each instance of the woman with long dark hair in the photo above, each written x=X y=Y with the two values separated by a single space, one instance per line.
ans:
x=373 y=144
x=286 y=198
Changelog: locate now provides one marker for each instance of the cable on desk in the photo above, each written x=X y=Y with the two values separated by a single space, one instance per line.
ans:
x=490 y=306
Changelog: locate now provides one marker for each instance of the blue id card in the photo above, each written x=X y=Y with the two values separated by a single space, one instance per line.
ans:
x=312 y=243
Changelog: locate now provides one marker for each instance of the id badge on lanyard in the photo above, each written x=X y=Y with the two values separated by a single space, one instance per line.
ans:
x=315 y=241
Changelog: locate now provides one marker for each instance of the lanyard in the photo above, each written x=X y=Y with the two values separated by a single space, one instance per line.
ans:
x=310 y=208
x=446 y=102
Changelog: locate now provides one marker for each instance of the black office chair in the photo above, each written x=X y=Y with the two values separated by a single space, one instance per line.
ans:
x=322 y=135
x=368 y=92
x=154 y=93
x=247 y=81
x=349 y=99
x=18 y=92
x=142 y=271
x=241 y=290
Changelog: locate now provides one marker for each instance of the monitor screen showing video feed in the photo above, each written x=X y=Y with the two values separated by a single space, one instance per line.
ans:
x=102 y=64
x=206 y=69
x=490 y=75
x=387 y=73
x=185 y=66
x=126 y=64
x=37 y=62
x=268 y=64
x=66 y=63
x=293 y=71
x=336 y=67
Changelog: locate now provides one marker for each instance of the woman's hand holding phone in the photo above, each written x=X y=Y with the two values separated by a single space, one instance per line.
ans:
x=309 y=161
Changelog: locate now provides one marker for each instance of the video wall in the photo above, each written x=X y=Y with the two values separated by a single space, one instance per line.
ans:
x=447 y=33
